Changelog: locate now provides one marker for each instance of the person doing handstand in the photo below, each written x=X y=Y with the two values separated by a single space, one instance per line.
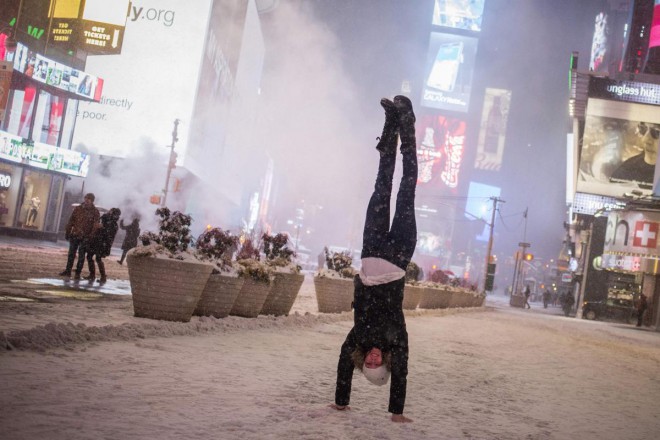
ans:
x=377 y=344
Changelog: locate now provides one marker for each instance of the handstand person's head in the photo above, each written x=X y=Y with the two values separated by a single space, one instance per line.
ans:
x=374 y=364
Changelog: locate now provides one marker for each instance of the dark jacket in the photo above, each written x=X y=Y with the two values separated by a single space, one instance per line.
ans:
x=378 y=322
x=104 y=235
x=82 y=222
x=642 y=305
x=132 y=234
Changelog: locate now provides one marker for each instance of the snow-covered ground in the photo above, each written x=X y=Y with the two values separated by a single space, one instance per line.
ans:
x=486 y=373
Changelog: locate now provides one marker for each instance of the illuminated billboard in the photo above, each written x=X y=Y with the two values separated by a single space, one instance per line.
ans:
x=150 y=84
x=459 y=14
x=46 y=157
x=654 y=37
x=448 y=74
x=610 y=37
x=492 y=132
x=435 y=225
x=620 y=148
x=479 y=205
x=440 y=151
x=54 y=74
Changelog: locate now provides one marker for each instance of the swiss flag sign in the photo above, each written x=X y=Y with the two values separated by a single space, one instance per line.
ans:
x=646 y=234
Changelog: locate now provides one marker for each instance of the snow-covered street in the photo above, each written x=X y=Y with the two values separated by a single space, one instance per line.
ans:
x=492 y=372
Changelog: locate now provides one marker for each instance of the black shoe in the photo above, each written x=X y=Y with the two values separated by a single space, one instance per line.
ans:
x=102 y=280
x=406 y=123
x=404 y=108
x=387 y=140
x=65 y=273
x=76 y=276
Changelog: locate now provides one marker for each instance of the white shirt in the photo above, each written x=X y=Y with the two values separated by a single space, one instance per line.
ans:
x=377 y=271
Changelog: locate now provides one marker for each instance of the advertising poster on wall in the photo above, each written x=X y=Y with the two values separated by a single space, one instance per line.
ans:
x=448 y=74
x=620 y=148
x=150 y=84
x=492 y=131
x=440 y=151
x=459 y=14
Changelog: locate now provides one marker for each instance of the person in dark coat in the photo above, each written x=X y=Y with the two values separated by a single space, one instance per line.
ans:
x=377 y=345
x=131 y=238
x=101 y=243
x=78 y=232
x=642 y=305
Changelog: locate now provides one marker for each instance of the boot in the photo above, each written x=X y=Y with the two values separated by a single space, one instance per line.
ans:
x=406 y=123
x=387 y=140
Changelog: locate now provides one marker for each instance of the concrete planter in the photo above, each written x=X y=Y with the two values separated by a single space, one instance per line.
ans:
x=219 y=295
x=251 y=298
x=164 y=288
x=460 y=298
x=434 y=298
x=334 y=295
x=517 y=301
x=411 y=296
x=283 y=294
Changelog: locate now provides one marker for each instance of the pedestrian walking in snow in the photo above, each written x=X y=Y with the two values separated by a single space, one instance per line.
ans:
x=547 y=296
x=78 y=232
x=131 y=238
x=377 y=345
x=642 y=305
x=527 y=293
x=101 y=243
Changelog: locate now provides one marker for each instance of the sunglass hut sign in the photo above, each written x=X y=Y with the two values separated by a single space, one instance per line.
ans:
x=633 y=233
x=630 y=91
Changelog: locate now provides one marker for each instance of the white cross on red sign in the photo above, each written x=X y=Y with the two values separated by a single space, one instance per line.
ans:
x=646 y=234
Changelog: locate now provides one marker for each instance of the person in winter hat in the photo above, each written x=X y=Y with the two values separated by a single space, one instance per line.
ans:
x=79 y=229
x=377 y=345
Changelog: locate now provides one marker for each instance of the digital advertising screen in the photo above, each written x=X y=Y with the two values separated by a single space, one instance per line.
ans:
x=39 y=155
x=459 y=14
x=620 y=148
x=49 y=72
x=449 y=70
x=435 y=223
x=150 y=84
x=440 y=151
x=599 y=43
x=479 y=205
x=654 y=37
x=610 y=37
x=492 y=131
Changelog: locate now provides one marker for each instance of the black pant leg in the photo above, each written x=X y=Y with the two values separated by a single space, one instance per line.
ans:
x=74 y=244
x=377 y=221
x=404 y=226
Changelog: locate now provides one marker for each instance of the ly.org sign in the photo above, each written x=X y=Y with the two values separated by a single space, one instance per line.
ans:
x=636 y=233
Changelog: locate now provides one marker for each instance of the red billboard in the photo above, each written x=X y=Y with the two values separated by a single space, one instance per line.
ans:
x=440 y=150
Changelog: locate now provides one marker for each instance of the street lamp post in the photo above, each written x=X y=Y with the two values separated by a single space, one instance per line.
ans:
x=172 y=162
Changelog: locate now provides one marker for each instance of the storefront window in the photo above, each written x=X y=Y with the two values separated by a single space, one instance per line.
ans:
x=10 y=182
x=48 y=118
x=36 y=189
x=20 y=111
x=54 y=203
